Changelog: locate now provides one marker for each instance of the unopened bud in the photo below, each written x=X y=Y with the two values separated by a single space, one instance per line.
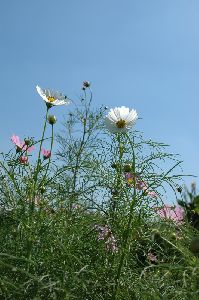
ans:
x=155 y=234
x=179 y=189
x=52 y=119
x=194 y=246
x=86 y=84
x=173 y=236
x=114 y=165
x=27 y=142
x=114 y=192
x=193 y=185
x=127 y=167
x=122 y=149
x=23 y=159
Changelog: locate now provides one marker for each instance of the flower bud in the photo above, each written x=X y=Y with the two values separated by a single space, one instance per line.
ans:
x=173 y=236
x=155 y=234
x=114 y=193
x=52 y=119
x=194 y=246
x=114 y=165
x=127 y=167
x=27 y=142
x=42 y=189
x=23 y=160
x=179 y=189
x=86 y=84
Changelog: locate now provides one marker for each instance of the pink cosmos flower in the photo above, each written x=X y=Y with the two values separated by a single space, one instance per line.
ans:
x=46 y=153
x=175 y=214
x=23 y=159
x=21 y=145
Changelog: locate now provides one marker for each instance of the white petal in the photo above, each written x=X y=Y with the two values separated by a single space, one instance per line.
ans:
x=41 y=92
x=132 y=116
x=112 y=116
x=124 y=112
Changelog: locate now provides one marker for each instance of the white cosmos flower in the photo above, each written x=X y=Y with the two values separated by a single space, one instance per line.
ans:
x=52 y=97
x=120 y=119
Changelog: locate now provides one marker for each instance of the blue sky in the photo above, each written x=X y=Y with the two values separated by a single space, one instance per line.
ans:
x=142 y=54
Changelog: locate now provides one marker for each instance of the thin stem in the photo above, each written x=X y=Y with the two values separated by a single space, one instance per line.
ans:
x=49 y=160
x=39 y=160
x=83 y=140
x=126 y=231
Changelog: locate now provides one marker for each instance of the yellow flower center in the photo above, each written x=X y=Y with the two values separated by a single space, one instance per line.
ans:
x=121 y=123
x=130 y=180
x=51 y=99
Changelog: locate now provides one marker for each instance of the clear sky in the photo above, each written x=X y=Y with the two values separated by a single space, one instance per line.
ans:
x=139 y=53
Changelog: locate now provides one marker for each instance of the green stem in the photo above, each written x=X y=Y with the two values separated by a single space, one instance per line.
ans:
x=126 y=232
x=39 y=155
x=49 y=160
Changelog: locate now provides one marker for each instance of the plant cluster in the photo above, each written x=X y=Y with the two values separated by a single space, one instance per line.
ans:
x=87 y=219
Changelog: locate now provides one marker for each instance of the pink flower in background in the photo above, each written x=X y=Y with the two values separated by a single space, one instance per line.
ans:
x=23 y=159
x=140 y=185
x=175 y=214
x=21 y=145
x=46 y=153
x=152 y=194
x=103 y=231
x=152 y=257
x=105 y=234
x=130 y=178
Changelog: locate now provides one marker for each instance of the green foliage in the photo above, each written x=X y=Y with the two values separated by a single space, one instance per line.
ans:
x=190 y=201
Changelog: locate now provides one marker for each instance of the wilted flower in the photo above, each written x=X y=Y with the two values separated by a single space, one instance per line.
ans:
x=46 y=153
x=175 y=214
x=120 y=119
x=23 y=159
x=52 y=97
x=21 y=145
